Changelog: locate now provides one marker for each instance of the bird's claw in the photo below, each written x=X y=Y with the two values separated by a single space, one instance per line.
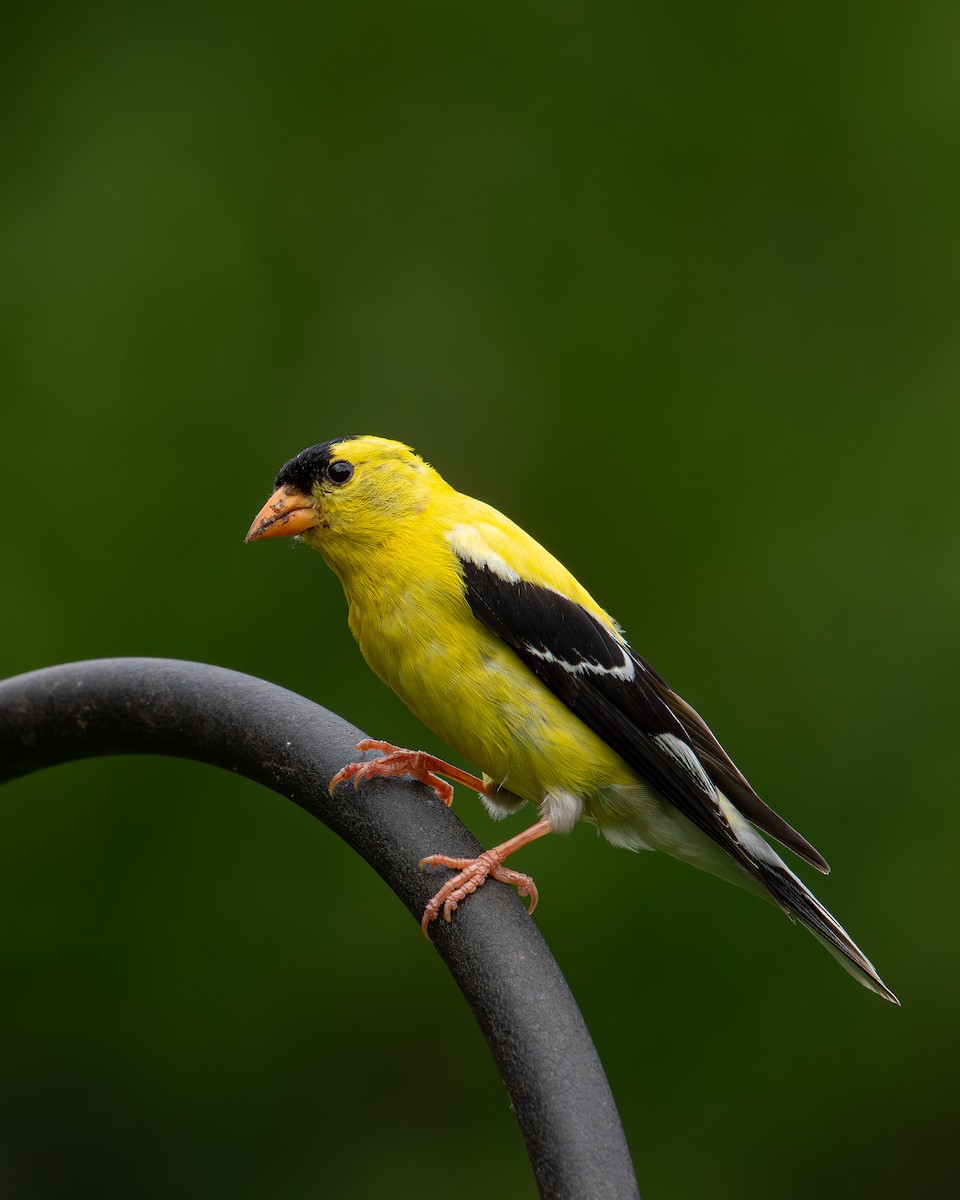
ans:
x=354 y=771
x=471 y=874
x=395 y=761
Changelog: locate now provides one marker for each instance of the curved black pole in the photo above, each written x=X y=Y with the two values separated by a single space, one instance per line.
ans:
x=493 y=950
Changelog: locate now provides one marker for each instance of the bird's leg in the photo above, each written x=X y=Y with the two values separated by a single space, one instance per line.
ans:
x=471 y=873
x=420 y=765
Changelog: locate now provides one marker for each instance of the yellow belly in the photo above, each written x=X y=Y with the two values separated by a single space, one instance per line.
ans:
x=470 y=689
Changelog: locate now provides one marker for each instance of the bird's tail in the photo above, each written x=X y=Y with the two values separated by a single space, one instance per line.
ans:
x=798 y=901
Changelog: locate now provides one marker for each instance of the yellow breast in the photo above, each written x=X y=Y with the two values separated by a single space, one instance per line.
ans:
x=418 y=634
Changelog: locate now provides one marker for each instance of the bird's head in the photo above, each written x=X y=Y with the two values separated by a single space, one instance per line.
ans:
x=356 y=490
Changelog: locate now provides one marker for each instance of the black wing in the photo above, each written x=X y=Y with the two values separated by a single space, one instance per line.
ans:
x=626 y=703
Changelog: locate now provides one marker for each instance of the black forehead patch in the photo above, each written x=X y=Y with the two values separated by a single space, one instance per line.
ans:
x=309 y=465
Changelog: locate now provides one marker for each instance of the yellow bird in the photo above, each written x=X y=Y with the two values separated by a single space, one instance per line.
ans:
x=496 y=647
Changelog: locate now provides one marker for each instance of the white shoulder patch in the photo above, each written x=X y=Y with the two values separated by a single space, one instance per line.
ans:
x=469 y=542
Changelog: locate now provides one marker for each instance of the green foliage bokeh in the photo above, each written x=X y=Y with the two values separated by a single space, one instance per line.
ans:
x=676 y=287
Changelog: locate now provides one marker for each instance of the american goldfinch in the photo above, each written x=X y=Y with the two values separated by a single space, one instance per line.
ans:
x=496 y=647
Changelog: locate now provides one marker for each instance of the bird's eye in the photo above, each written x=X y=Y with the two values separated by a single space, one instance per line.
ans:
x=340 y=471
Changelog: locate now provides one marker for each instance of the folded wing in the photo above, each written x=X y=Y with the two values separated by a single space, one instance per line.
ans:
x=587 y=666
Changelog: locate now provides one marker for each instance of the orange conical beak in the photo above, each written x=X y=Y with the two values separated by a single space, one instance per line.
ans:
x=286 y=513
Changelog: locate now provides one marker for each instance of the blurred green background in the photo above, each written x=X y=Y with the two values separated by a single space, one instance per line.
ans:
x=677 y=287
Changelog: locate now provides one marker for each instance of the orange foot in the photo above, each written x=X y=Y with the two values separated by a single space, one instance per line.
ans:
x=420 y=765
x=471 y=873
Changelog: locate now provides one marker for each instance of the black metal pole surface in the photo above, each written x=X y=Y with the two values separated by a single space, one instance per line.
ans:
x=494 y=951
